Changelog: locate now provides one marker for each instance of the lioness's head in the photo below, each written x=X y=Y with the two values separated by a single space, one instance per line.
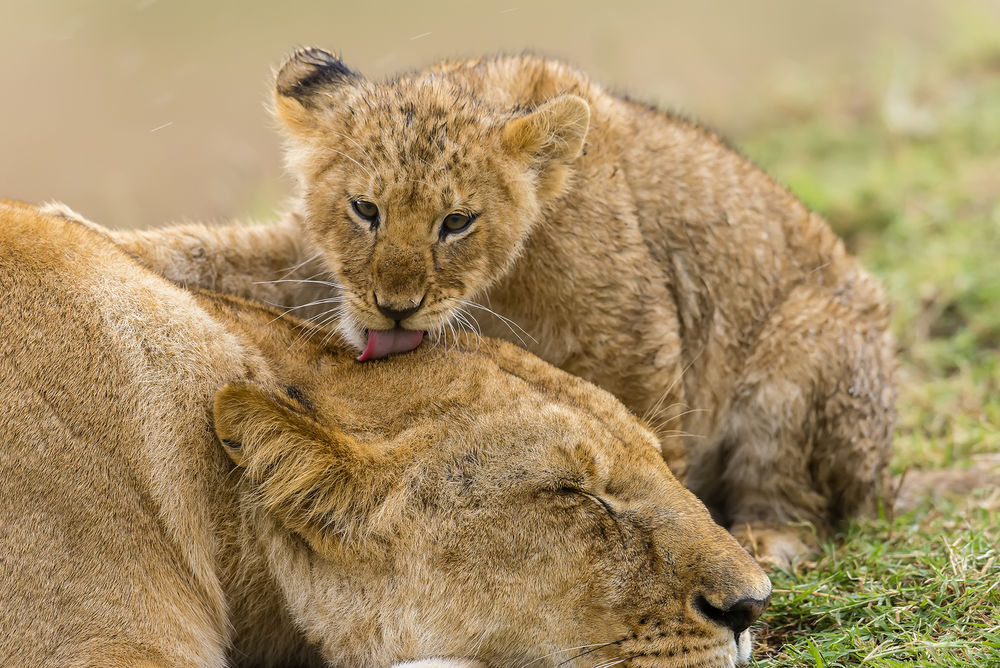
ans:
x=418 y=194
x=491 y=507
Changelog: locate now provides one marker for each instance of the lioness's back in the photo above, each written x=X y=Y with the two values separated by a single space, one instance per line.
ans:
x=101 y=392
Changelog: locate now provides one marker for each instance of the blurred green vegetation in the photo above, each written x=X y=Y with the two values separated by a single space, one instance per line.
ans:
x=906 y=167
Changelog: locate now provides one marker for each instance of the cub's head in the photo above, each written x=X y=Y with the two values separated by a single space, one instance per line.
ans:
x=417 y=192
x=482 y=504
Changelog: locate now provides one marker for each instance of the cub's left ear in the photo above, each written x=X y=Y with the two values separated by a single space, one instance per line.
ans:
x=554 y=132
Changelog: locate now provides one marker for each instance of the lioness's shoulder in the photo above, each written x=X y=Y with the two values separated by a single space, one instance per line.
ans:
x=36 y=238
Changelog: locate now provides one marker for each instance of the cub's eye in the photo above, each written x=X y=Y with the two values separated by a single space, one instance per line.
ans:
x=365 y=209
x=454 y=223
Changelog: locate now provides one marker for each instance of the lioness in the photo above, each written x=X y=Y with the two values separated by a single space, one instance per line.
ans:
x=190 y=479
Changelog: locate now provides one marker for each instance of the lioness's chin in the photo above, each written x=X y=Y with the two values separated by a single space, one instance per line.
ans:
x=743 y=647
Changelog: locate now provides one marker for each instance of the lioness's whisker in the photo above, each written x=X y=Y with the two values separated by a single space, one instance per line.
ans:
x=566 y=649
x=611 y=662
x=577 y=656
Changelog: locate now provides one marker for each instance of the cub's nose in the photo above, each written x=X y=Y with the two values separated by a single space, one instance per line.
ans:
x=737 y=616
x=398 y=314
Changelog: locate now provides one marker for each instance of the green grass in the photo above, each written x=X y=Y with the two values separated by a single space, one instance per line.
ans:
x=918 y=590
x=909 y=173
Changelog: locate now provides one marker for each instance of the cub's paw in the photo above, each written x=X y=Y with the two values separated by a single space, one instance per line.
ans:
x=441 y=663
x=780 y=546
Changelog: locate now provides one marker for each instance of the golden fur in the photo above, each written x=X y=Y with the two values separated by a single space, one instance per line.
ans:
x=192 y=479
x=620 y=243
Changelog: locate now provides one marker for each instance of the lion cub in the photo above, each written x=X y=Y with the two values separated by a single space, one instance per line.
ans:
x=616 y=241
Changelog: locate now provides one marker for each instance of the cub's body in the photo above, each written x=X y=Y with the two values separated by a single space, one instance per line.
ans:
x=618 y=242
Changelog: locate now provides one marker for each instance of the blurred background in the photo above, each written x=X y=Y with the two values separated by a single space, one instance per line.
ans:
x=140 y=112
x=882 y=115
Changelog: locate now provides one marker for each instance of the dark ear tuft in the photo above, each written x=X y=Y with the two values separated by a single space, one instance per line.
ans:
x=309 y=70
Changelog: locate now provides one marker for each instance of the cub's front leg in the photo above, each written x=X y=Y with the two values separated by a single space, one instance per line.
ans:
x=270 y=263
x=809 y=432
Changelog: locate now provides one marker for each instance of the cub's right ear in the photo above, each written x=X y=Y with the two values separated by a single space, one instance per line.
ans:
x=305 y=82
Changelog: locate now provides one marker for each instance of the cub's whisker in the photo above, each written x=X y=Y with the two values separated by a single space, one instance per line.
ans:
x=610 y=662
x=507 y=321
x=301 y=280
x=677 y=379
x=289 y=270
x=668 y=419
x=620 y=659
x=311 y=328
x=289 y=309
x=365 y=169
x=364 y=153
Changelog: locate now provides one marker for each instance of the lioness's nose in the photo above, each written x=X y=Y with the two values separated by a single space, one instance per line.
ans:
x=394 y=312
x=737 y=616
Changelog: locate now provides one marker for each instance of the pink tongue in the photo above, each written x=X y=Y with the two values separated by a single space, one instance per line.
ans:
x=385 y=342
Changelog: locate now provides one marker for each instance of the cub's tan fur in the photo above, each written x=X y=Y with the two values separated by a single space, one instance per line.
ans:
x=473 y=503
x=630 y=247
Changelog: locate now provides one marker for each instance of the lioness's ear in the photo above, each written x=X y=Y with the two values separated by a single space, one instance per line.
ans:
x=245 y=413
x=553 y=132
x=308 y=78
x=314 y=478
